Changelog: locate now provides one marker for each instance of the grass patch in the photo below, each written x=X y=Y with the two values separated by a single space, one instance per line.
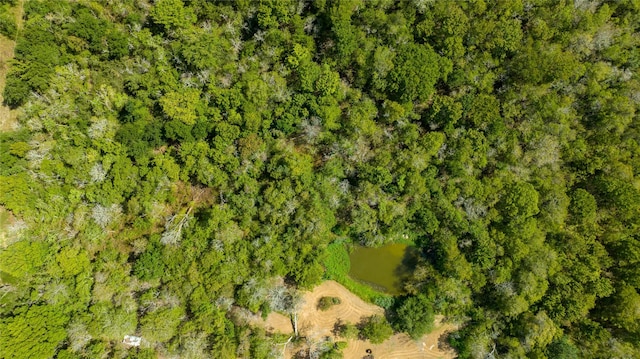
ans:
x=337 y=266
x=337 y=262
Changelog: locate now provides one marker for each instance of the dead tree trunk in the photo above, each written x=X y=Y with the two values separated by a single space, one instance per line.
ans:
x=284 y=349
x=294 y=320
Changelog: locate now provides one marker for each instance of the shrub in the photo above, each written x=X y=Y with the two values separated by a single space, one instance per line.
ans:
x=376 y=329
x=149 y=265
x=384 y=301
x=8 y=26
x=16 y=91
x=346 y=330
x=327 y=302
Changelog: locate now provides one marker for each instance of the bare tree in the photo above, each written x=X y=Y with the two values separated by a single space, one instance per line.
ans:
x=173 y=228
x=97 y=173
x=78 y=336
x=194 y=346
x=288 y=300
x=103 y=216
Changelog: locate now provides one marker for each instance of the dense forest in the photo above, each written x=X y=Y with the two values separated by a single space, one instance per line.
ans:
x=177 y=159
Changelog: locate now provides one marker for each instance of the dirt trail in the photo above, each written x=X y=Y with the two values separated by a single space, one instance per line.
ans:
x=316 y=325
x=8 y=117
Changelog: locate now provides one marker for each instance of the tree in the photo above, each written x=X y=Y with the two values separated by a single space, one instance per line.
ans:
x=112 y=323
x=172 y=14
x=415 y=316
x=73 y=261
x=346 y=330
x=415 y=72
x=162 y=324
x=23 y=258
x=520 y=201
x=375 y=328
x=622 y=310
x=563 y=349
x=32 y=332
x=149 y=265
x=8 y=26
x=181 y=105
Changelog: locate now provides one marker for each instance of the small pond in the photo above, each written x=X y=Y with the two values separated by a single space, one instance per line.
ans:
x=384 y=268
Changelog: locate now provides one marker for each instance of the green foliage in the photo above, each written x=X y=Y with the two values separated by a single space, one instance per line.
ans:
x=621 y=310
x=181 y=105
x=173 y=160
x=23 y=258
x=563 y=349
x=415 y=316
x=334 y=352
x=415 y=72
x=336 y=262
x=376 y=329
x=112 y=323
x=161 y=325
x=73 y=261
x=16 y=91
x=32 y=332
x=172 y=14
x=583 y=206
x=150 y=264
x=347 y=330
x=520 y=201
x=8 y=25
x=324 y=303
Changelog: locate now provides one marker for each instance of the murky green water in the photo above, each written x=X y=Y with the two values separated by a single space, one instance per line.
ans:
x=385 y=268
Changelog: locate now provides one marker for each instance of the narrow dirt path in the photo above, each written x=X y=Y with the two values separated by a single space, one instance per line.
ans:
x=8 y=117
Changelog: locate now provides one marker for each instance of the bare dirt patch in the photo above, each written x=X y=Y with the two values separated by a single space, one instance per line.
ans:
x=317 y=325
x=8 y=117
x=275 y=323
x=401 y=346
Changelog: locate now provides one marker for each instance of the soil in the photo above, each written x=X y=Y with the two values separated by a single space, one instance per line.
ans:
x=317 y=325
x=6 y=221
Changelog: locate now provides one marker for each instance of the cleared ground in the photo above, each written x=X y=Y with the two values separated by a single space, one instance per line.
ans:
x=8 y=117
x=401 y=346
x=6 y=219
x=316 y=325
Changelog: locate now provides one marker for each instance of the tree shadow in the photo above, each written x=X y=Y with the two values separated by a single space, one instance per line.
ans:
x=404 y=271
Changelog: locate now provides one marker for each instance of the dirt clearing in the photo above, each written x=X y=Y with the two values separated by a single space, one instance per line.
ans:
x=275 y=322
x=401 y=346
x=10 y=227
x=316 y=325
x=8 y=117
